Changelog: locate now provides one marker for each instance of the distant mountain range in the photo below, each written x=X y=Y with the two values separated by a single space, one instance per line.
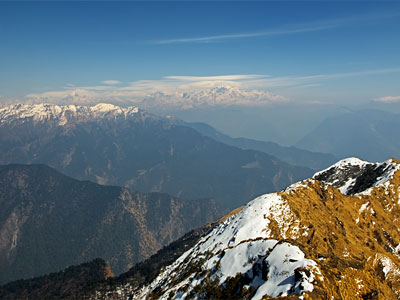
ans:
x=373 y=135
x=49 y=221
x=332 y=236
x=219 y=96
x=292 y=155
x=129 y=147
x=213 y=97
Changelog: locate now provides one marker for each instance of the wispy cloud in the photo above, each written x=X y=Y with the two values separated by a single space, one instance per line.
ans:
x=357 y=73
x=111 y=82
x=222 y=37
x=388 y=99
x=216 y=78
x=313 y=80
x=288 y=29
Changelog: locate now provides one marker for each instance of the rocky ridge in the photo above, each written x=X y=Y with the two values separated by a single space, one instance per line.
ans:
x=333 y=236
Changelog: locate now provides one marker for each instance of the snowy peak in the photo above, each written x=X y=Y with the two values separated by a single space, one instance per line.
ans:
x=64 y=114
x=352 y=175
x=216 y=96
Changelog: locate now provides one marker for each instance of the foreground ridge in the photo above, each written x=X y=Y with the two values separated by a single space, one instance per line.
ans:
x=333 y=236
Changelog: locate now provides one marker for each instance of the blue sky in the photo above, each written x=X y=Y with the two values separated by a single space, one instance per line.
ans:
x=323 y=51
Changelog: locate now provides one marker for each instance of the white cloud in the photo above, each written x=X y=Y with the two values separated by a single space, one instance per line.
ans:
x=388 y=99
x=170 y=84
x=111 y=82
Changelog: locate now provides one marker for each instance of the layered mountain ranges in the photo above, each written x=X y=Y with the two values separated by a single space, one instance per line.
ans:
x=49 y=221
x=130 y=147
x=292 y=155
x=333 y=236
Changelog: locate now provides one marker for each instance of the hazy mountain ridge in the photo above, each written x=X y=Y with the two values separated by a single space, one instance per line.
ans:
x=128 y=147
x=49 y=221
x=370 y=134
x=291 y=155
x=333 y=238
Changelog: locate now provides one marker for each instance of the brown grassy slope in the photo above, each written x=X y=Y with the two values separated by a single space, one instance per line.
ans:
x=351 y=245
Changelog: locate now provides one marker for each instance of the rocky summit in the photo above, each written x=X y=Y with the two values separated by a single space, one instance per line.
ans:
x=333 y=236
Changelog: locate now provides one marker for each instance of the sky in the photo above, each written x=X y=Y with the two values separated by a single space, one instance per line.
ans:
x=316 y=51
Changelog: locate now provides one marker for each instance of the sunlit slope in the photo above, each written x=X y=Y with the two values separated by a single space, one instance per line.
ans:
x=333 y=238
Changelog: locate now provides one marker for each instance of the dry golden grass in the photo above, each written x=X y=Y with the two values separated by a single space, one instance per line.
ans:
x=349 y=243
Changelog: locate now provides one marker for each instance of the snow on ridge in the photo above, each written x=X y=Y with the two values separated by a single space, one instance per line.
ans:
x=251 y=222
x=299 y=184
x=244 y=244
x=45 y=111
x=344 y=175
x=390 y=168
x=350 y=161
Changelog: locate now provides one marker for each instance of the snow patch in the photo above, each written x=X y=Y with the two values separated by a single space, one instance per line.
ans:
x=301 y=184
x=346 y=187
x=388 y=266
x=286 y=265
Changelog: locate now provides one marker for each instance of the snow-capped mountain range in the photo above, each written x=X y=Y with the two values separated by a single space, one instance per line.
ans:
x=176 y=100
x=217 y=96
x=57 y=106
x=63 y=114
x=325 y=237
